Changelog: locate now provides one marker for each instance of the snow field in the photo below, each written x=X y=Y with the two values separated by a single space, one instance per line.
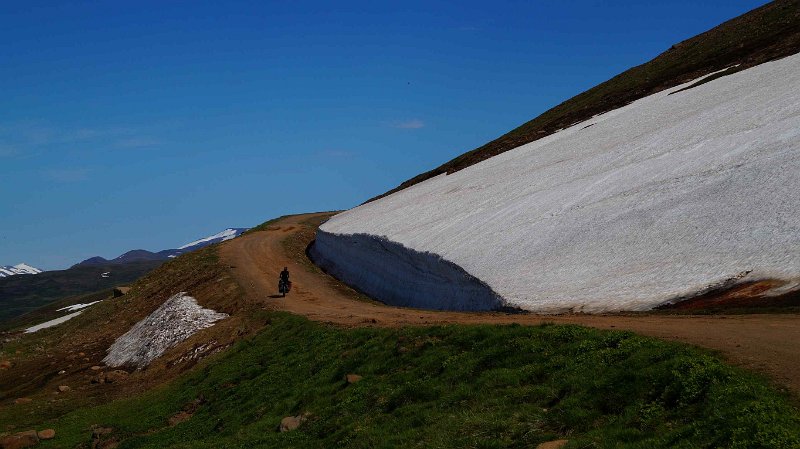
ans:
x=177 y=319
x=657 y=200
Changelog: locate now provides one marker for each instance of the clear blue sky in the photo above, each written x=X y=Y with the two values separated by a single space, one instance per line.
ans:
x=131 y=125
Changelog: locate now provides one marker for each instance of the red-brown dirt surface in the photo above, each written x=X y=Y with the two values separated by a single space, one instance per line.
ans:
x=766 y=343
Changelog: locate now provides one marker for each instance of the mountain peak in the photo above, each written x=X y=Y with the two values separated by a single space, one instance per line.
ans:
x=139 y=255
x=20 y=268
x=227 y=234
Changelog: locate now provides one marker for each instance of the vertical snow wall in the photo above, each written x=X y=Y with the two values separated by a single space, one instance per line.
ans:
x=401 y=276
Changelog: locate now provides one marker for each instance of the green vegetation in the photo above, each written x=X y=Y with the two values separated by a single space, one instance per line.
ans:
x=764 y=34
x=452 y=386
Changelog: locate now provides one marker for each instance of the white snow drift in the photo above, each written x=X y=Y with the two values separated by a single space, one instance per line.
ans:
x=655 y=200
x=80 y=306
x=53 y=322
x=176 y=320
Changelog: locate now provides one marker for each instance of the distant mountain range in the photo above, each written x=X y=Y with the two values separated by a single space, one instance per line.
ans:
x=142 y=255
x=22 y=294
x=9 y=270
x=136 y=255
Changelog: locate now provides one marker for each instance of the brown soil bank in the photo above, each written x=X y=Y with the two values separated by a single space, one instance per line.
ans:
x=761 y=35
x=766 y=343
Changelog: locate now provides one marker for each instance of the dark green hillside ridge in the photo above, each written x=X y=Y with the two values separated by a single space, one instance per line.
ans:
x=24 y=293
x=50 y=310
x=453 y=386
x=764 y=34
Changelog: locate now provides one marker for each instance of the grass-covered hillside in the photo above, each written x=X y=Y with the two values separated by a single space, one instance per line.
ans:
x=24 y=293
x=764 y=34
x=439 y=387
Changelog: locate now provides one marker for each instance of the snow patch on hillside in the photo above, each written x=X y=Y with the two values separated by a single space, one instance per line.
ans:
x=52 y=323
x=657 y=200
x=75 y=307
x=176 y=320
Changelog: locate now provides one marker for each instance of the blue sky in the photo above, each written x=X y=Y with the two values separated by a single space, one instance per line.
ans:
x=131 y=125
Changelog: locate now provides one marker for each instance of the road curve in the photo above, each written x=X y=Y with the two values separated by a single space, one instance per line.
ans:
x=759 y=342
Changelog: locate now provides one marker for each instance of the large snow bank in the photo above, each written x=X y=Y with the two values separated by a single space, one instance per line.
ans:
x=653 y=201
x=431 y=282
x=176 y=320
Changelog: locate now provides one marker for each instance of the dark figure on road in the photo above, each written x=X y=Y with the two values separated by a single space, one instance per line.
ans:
x=283 y=284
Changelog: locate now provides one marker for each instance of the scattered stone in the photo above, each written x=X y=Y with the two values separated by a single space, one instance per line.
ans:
x=5 y=364
x=107 y=444
x=116 y=376
x=98 y=431
x=64 y=388
x=23 y=400
x=46 y=434
x=555 y=444
x=110 y=377
x=20 y=440
x=81 y=354
x=187 y=412
x=96 y=368
x=291 y=423
x=62 y=372
x=352 y=378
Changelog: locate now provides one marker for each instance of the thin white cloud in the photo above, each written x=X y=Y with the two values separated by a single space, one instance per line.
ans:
x=335 y=154
x=35 y=134
x=137 y=142
x=67 y=174
x=7 y=151
x=409 y=124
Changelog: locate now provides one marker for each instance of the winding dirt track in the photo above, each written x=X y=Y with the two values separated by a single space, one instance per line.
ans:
x=769 y=344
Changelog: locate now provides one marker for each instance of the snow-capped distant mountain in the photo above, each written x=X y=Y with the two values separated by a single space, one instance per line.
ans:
x=218 y=237
x=139 y=255
x=8 y=270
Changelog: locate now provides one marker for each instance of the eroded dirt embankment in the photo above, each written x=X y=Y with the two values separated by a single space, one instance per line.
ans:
x=765 y=343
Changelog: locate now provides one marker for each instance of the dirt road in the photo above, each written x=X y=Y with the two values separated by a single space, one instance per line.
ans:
x=763 y=343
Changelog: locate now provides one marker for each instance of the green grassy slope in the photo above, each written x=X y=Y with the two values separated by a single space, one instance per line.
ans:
x=764 y=34
x=442 y=387
x=25 y=293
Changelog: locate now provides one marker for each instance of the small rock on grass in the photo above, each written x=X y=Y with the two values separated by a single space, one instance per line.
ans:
x=352 y=378
x=23 y=400
x=555 y=444
x=46 y=434
x=64 y=388
x=5 y=364
x=292 y=422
